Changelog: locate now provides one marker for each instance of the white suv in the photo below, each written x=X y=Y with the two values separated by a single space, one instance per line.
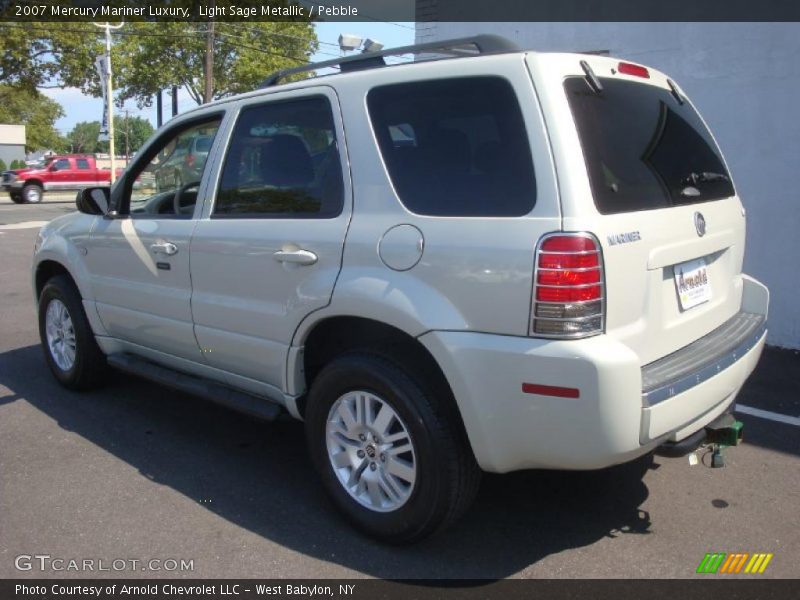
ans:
x=503 y=261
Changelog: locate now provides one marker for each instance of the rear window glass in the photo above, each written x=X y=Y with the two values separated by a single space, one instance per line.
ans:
x=644 y=149
x=455 y=147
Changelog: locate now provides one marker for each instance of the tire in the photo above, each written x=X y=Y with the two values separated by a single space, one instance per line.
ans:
x=16 y=198
x=85 y=366
x=32 y=193
x=409 y=494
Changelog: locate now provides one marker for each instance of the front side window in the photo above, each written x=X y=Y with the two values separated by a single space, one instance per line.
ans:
x=168 y=183
x=455 y=147
x=643 y=148
x=283 y=162
x=62 y=164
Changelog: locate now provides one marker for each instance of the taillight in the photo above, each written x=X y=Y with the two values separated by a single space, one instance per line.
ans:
x=635 y=70
x=569 y=287
x=190 y=160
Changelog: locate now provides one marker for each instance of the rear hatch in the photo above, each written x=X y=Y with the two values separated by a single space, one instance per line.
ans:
x=639 y=169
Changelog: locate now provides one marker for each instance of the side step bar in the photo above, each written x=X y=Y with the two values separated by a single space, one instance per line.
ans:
x=196 y=386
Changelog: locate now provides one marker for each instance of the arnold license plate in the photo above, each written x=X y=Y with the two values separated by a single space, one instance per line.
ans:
x=692 y=283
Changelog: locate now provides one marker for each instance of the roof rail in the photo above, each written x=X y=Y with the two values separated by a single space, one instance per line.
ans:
x=482 y=44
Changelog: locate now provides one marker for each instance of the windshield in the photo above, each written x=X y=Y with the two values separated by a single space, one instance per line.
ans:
x=643 y=148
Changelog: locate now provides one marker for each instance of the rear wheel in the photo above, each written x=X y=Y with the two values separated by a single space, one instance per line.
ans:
x=67 y=339
x=390 y=459
x=32 y=193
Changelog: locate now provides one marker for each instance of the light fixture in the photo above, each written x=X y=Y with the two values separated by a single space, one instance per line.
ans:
x=348 y=41
x=372 y=45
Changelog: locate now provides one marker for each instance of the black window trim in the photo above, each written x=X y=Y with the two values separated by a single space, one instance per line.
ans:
x=279 y=216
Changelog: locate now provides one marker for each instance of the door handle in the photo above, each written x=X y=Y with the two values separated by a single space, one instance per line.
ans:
x=167 y=248
x=296 y=257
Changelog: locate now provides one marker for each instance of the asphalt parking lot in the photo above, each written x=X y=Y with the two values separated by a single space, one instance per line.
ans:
x=135 y=471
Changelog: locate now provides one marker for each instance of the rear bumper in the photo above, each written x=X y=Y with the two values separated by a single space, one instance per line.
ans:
x=611 y=421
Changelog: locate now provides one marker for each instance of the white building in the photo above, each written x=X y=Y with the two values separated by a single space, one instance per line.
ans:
x=744 y=79
x=12 y=143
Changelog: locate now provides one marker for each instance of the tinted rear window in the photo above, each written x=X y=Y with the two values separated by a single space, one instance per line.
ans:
x=455 y=147
x=644 y=149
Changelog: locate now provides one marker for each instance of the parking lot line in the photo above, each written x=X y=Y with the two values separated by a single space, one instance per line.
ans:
x=766 y=414
x=24 y=225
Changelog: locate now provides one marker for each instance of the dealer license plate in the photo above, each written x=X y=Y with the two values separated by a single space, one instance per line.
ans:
x=692 y=283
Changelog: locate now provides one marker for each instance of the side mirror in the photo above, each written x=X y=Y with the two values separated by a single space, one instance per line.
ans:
x=93 y=200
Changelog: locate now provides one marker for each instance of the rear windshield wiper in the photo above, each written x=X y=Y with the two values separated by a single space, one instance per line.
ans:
x=704 y=177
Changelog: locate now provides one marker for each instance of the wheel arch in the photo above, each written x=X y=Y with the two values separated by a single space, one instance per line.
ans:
x=48 y=265
x=335 y=335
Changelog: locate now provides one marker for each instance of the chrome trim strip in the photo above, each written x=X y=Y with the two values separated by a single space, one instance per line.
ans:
x=688 y=381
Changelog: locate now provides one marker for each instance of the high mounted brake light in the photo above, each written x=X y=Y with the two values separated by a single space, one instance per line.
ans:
x=568 y=289
x=635 y=70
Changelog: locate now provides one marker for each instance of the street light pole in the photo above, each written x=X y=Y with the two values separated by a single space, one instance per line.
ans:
x=109 y=98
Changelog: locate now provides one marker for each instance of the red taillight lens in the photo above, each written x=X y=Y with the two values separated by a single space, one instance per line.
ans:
x=568 y=299
x=190 y=160
x=635 y=70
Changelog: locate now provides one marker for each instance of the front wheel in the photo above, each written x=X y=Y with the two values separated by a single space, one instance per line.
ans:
x=67 y=338
x=389 y=457
x=16 y=197
x=32 y=193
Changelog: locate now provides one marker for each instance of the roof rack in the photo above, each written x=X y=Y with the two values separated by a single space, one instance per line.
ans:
x=481 y=44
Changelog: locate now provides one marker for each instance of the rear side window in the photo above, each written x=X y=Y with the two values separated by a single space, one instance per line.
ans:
x=455 y=147
x=644 y=149
x=283 y=162
x=83 y=164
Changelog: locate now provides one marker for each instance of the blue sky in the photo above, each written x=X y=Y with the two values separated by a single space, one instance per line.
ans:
x=86 y=108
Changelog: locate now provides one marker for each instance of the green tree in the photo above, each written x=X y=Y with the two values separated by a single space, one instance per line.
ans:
x=3 y=166
x=244 y=54
x=21 y=106
x=42 y=54
x=137 y=131
x=83 y=137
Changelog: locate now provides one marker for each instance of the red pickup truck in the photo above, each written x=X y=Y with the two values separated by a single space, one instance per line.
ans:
x=63 y=172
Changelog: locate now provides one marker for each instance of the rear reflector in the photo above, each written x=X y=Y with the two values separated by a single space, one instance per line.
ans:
x=551 y=390
x=635 y=70
x=568 y=297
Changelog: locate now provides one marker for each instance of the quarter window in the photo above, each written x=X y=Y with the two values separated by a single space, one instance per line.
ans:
x=455 y=147
x=283 y=162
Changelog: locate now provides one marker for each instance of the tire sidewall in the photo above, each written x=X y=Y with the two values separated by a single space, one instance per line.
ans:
x=407 y=398
x=56 y=290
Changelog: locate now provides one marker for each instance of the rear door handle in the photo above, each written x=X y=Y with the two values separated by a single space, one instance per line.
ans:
x=167 y=248
x=297 y=257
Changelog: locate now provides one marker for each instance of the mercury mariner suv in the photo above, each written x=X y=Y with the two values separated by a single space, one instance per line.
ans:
x=486 y=259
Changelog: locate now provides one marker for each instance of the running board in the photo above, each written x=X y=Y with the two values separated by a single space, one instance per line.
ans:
x=196 y=386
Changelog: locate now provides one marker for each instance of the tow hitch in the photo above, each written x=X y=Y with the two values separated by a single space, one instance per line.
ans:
x=721 y=433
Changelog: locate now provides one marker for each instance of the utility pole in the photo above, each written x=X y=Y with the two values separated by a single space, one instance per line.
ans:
x=208 y=58
x=127 y=143
x=159 y=110
x=109 y=98
x=174 y=100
